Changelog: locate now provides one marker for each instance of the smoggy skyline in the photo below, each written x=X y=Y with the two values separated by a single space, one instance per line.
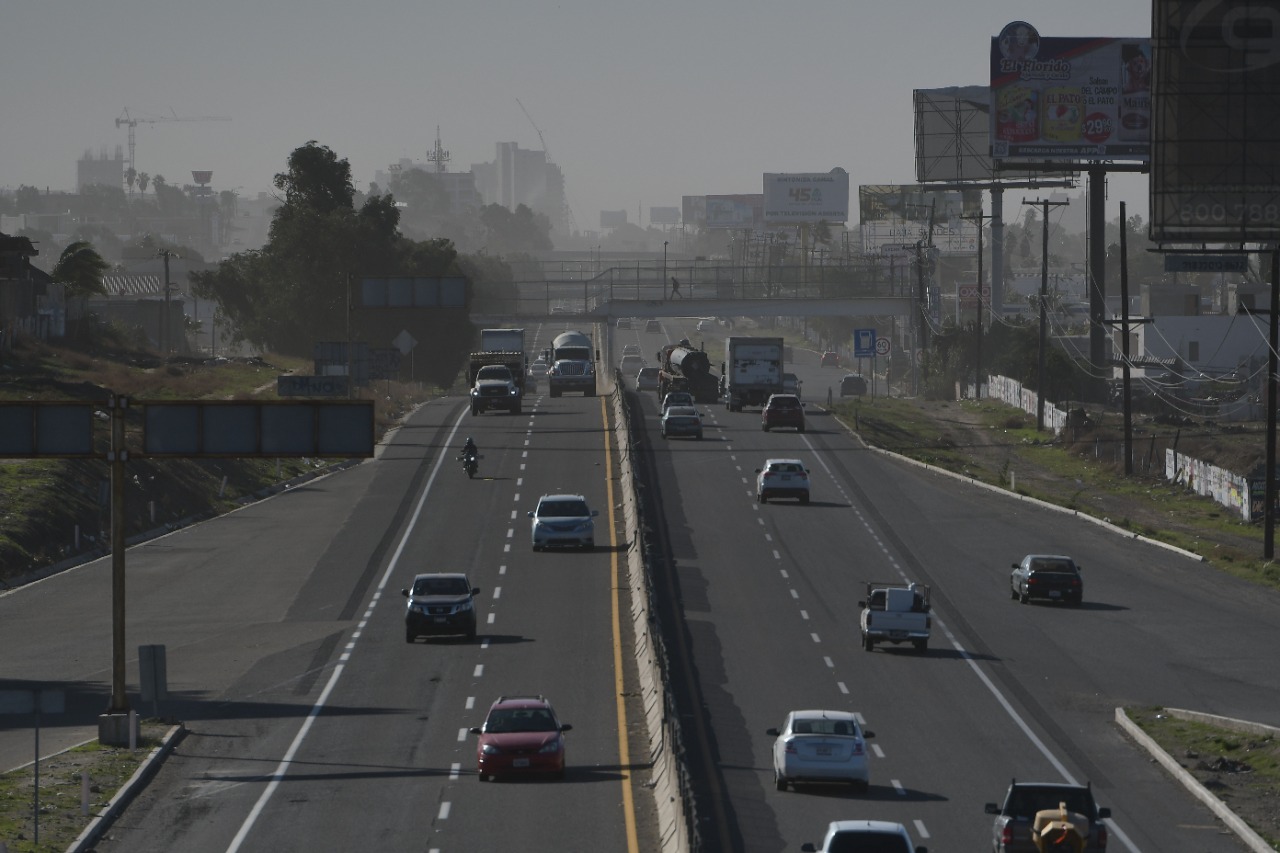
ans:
x=637 y=104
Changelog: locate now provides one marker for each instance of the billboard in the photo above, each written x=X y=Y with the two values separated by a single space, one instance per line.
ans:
x=806 y=197
x=1215 y=163
x=915 y=202
x=1068 y=99
x=886 y=238
x=693 y=210
x=735 y=211
x=612 y=218
x=953 y=137
x=897 y=215
x=664 y=216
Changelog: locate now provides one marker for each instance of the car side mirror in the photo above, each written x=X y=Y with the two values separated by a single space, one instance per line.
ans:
x=773 y=732
x=1014 y=565
x=530 y=513
x=475 y=590
x=808 y=847
x=757 y=470
x=867 y=734
x=405 y=593
x=594 y=513
x=1104 y=813
x=862 y=604
x=991 y=808
x=475 y=730
x=564 y=727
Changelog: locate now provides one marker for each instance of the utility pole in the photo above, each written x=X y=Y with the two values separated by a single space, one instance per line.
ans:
x=1044 y=204
x=977 y=355
x=166 y=336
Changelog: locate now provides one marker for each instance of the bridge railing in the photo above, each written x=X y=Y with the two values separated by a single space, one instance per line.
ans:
x=642 y=283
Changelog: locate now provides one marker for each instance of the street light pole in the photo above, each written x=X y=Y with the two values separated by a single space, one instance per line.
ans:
x=664 y=266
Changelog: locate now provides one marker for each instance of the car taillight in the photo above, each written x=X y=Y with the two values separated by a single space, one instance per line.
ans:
x=1102 y=837
x=1006 y=835
x=858 y=748
x=790 y=747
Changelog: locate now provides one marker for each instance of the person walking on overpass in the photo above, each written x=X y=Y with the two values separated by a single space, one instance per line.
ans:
x=675 y=288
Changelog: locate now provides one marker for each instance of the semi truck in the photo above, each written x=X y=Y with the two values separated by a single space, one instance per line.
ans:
x=572 y=360
x=684 y=368
x=752 y=371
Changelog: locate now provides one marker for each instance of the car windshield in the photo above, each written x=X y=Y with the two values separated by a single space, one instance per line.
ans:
x=494 y=371
x=785 y=468
x=867 y=842
x=520 y=720
x=823 y=726
x=441 y=586
x=1053 y=566
x=784 y=403
x=562 y=509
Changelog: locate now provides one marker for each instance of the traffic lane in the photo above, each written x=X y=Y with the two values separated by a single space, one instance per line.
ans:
x=1066 y=704
x=759 y=643
x=1138 y=597
x=182 y=592
x=998 y=775
x=377 y=787
x=242 y=728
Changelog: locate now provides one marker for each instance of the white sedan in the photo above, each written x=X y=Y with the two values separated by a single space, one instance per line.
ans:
x=820 y=746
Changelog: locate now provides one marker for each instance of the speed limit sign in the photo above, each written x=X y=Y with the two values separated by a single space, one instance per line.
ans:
x=882 y=346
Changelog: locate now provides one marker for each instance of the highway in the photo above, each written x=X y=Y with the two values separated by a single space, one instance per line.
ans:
x=314 y=725
x=769 y=599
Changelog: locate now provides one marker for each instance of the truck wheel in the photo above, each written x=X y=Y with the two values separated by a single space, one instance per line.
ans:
x=867 y=642
x=779 y=782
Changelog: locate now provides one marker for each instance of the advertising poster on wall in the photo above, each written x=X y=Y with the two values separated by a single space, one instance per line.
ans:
x=895 y=217
x=1068 y=99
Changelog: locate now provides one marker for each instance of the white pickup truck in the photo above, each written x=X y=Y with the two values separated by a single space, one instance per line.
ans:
x=896 y=613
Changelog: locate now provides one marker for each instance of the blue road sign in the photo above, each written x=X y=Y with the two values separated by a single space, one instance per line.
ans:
x=864 y=343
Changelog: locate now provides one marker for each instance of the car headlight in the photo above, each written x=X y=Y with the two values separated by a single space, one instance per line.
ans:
x=463 y=607
x=418 y=608
x=490 y=749
x=515 y=391
x=585 y=526
x=550 y=747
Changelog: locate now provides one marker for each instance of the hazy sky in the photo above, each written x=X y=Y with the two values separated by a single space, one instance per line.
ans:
x=639 y=103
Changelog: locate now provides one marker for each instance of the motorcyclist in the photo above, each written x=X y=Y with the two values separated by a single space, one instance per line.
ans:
x=469 y=449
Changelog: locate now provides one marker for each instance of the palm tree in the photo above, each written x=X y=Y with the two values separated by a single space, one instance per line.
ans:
x=143 y=180
x=80 y=268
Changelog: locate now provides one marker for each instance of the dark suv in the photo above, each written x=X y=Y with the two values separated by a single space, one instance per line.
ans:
x=782 y=410
x=440 y=603
x=1015 y=819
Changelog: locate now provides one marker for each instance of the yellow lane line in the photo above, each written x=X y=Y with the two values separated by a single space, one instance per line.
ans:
x=619 y=683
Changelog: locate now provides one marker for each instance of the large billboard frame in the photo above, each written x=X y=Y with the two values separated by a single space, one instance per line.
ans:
x=1215 y=175
x=1065 y=100
x=806 y=197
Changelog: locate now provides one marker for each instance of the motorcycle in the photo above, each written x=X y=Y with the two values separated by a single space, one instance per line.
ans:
x=470 y=464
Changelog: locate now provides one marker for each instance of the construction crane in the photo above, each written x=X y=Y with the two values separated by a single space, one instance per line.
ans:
x=573 y=223
x=131 y=122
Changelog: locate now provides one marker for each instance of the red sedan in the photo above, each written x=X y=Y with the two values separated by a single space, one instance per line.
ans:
x=521 y=735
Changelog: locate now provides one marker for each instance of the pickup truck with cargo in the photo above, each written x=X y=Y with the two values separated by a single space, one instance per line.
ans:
x=497 y=381
x=894 y=612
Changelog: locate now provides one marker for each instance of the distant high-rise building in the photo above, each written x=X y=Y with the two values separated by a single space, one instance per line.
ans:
x=102 y=170
x=518 y=176
x=461 y=186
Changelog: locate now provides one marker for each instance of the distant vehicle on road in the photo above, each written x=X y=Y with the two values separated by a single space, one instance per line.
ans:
x=440 y=603
x=520 y=735
x=1012 y=831
x=647 y=379
x=830 y=359
x=853 y=385
x=782 y=478
x=871 y=836
x=1053 y=577
x=681 y=420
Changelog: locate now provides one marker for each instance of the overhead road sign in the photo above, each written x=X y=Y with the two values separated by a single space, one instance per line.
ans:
x=413 y=292
x=46 y=429
x=342 y=429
